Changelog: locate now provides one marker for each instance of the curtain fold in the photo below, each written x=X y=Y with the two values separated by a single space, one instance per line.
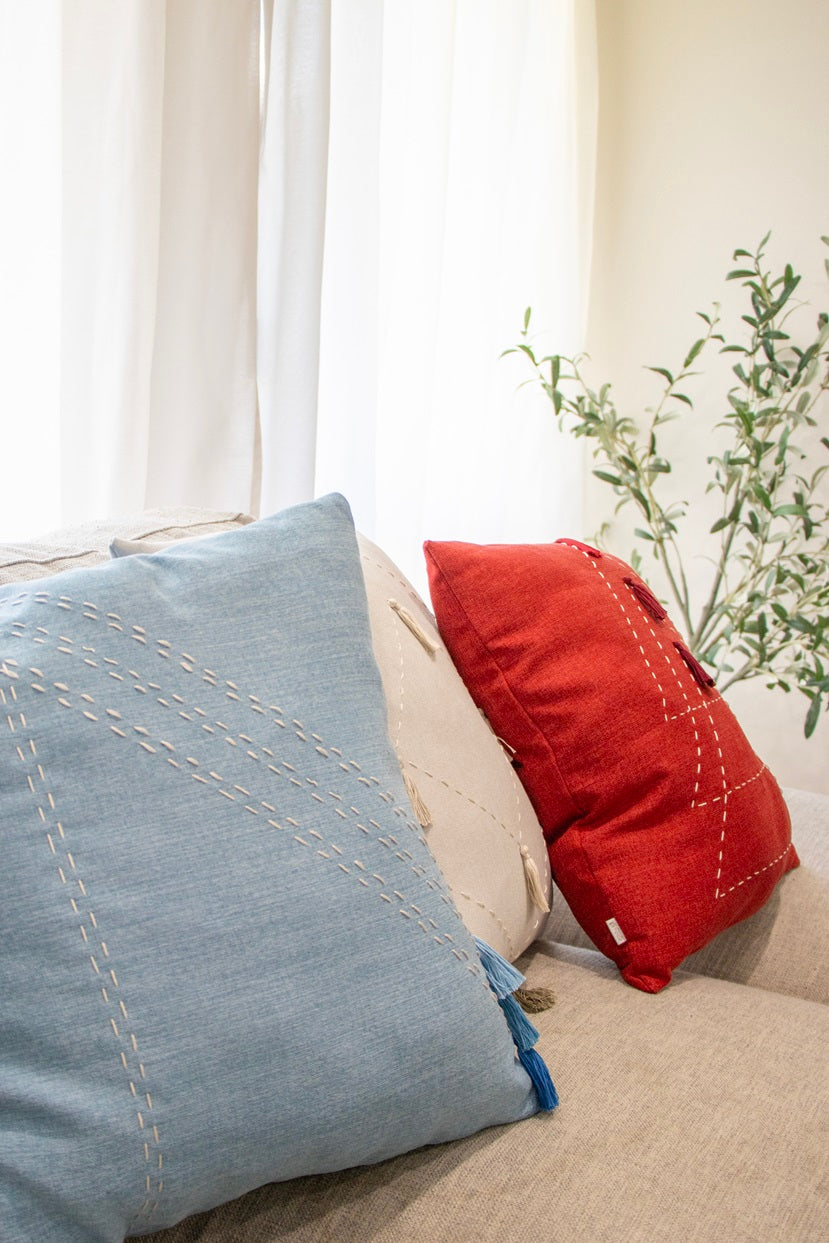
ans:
x=160 y=108
x=30 y=60
x=275 y=247
x=292 y=211
x=459 y=191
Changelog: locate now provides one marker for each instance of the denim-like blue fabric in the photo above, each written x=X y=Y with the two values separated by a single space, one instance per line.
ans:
x=226 y=954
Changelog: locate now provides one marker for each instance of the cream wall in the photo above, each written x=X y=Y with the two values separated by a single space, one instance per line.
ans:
x=713 y=122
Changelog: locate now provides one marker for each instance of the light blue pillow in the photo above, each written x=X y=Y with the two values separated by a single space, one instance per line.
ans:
x=227 y=956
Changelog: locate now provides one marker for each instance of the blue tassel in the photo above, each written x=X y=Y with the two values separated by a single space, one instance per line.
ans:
x=523 y=1032
x=503 y=977
x=540 y=1076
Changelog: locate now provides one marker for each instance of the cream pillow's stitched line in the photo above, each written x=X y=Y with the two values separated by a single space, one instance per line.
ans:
x=406 y=764
x=534 y=888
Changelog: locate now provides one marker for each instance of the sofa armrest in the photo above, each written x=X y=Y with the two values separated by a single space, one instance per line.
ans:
x=781 y=948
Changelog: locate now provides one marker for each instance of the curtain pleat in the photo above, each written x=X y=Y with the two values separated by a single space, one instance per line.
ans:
x=272 y=248
x=459 y=191
x=292 y=211
x=160 y=126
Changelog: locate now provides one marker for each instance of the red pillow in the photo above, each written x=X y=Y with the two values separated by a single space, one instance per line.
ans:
x=662 y=825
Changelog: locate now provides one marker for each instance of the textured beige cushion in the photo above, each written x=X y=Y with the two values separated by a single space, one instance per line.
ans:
x=697 y=1115
x=88 y=544
x=478 y=820
x=783 y=946
x=480 y=824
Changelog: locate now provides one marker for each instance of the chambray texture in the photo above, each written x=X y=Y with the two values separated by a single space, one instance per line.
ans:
x=227 y=956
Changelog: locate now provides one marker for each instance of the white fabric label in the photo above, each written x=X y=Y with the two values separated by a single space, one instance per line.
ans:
x=615 y=931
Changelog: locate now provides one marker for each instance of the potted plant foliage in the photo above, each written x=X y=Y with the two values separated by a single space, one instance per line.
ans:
x=765 y=610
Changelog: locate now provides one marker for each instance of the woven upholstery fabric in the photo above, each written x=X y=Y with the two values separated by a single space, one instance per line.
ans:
x=697 y=1115
x=663 y=826
x=479 y=822
x=226 y=953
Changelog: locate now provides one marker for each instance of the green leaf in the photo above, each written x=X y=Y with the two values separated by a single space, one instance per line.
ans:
x=739 y=274
x=642 y=501
x=606 y=477
x=643 y=534
x=810 y=724
x=781 y=511
x=720 y=525
x=663 y=372
x=693 y=353
x=527 y=316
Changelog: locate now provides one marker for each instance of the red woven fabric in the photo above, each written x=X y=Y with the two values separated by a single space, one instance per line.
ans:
x=662 y=825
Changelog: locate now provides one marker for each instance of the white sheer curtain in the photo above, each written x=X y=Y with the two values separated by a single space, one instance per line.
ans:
x=29 y=267
x=330 y=248
x=460 y=189
x=133 y=134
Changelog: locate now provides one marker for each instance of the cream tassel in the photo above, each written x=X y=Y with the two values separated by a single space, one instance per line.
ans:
x=533 y=881
x=413 y=624
x=421 y=811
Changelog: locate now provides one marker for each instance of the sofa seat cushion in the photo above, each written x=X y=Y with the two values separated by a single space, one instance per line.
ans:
x=662 y=824
x=226 y=952
x=699 y=1114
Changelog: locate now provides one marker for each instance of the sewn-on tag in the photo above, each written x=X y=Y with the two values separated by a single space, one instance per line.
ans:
x=615 y=931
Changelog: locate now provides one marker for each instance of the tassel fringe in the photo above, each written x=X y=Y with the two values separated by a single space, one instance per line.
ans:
x=582 y=547
x=700 y=675
x=535 y=1000
x=504 y=980
x=411 y=623
x=540 y=1075
x=533 y=880
x=647 y=599
x=421 y=811
x=503 y=977
x=524 y=1034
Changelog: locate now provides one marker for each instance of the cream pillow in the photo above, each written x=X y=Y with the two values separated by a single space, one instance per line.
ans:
x=477 y=818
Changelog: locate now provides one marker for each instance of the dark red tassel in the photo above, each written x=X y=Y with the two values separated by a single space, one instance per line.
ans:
x=647 y=599
x=575 y=543
x=700 y=675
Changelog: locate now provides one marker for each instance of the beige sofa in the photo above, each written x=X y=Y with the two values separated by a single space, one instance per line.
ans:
x=698 y=1114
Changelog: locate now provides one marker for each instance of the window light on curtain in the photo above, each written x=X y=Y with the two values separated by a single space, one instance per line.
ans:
x=338 y=250
x=460 y=188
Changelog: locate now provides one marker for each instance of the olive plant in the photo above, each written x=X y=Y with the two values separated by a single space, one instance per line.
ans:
x=765 y=611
